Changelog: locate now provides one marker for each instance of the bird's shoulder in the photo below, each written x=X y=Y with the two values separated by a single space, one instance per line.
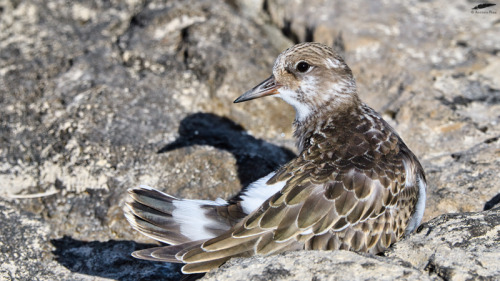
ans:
x=363 y=145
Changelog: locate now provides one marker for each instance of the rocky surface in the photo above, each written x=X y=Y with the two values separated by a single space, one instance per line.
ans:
x=28 y=254
x=100 y=96
x=317 y=265
x=459 y=246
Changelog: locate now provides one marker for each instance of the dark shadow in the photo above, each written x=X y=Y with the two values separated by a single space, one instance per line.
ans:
x=339 y=45
x=309 y=34
x=111 y=259
x=255 y=158
x=492 y=202
x=287 y=31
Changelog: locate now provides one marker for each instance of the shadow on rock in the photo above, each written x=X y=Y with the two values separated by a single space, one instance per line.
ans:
x=111 y=259
x=255 y=158
x=492 y=202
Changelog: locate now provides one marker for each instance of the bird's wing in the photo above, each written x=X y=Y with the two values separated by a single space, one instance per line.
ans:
x=328 y=207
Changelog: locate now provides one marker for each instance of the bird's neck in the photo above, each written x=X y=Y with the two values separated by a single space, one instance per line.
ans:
x=324 y=118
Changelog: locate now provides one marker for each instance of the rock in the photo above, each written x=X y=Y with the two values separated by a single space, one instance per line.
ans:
x=98 y=97
x=27 y=253
x=461 y=246
x=316 y=265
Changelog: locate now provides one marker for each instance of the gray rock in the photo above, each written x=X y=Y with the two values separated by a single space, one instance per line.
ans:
x=97 y=97
x=463 y=246
x=317 y=265
x=27 y=253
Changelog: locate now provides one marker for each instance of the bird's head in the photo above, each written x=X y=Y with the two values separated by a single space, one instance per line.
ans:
x=311 y=77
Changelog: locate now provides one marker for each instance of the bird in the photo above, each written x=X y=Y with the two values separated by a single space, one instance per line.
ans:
x=354 y=184
x=482 y=6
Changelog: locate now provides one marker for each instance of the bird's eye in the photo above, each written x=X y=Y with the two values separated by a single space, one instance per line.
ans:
x=303 y=66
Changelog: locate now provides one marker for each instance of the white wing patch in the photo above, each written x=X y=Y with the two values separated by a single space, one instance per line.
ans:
x=258 y=192
x=411 y=180
x=192 y=219
x=419 y=209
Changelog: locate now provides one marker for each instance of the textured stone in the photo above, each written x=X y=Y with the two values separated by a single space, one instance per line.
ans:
x=317 y=265
x=27 y=253
x=463 y=246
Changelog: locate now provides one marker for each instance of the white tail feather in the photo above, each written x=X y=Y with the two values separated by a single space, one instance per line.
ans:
x=193 y=221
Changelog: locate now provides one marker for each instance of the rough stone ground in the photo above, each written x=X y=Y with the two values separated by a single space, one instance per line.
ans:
x=100 y=96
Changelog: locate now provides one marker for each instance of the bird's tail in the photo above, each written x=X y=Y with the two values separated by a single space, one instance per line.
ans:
x=199 y=231
x=178 y=221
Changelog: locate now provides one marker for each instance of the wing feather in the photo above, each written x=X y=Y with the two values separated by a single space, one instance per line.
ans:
x=315 y=207
x=199 y=254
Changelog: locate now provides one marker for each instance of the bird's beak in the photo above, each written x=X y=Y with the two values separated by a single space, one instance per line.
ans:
x=265 y=88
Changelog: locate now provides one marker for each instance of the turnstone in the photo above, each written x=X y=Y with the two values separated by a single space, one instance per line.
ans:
x=355 y=185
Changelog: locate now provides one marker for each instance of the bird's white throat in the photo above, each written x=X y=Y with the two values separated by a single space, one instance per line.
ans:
x=302 y=110
x=307 y=91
